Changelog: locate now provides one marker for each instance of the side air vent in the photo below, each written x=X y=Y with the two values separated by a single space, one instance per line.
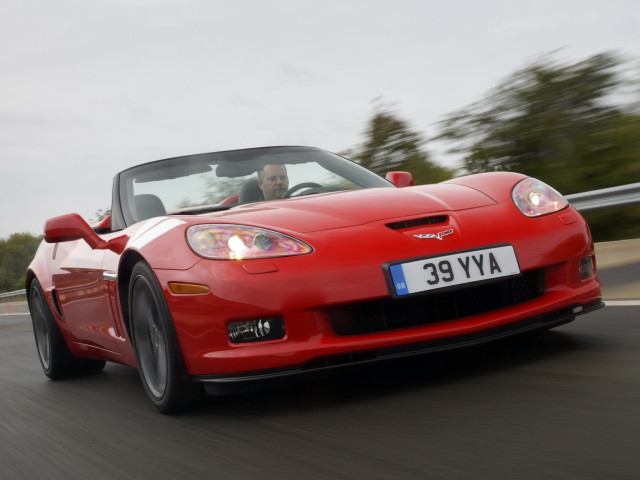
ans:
x=56 y=302
x=417 y=222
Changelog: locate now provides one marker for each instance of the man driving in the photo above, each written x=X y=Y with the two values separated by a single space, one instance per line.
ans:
x=273 y=181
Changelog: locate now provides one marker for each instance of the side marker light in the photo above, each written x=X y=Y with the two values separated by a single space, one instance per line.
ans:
x=188 y=288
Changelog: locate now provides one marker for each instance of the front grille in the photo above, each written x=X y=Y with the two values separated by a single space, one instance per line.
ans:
x=391 y=314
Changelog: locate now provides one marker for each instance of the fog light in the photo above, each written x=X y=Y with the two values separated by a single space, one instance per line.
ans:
x=586 y=268
x=256 y=330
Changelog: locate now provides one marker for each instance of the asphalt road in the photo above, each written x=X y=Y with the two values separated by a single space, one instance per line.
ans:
x=564 y=404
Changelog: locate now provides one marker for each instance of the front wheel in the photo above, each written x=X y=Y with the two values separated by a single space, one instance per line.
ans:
x=156 y=345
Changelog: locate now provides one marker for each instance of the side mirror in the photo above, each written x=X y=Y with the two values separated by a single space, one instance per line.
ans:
x=67 y=228
x=400 y=179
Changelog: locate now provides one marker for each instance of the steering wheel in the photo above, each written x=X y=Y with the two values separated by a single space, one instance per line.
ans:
x=300 y=186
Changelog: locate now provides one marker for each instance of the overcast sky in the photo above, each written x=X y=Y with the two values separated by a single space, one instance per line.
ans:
x=90 y=87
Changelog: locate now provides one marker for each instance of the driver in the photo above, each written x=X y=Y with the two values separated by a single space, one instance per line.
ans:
x=273 y=181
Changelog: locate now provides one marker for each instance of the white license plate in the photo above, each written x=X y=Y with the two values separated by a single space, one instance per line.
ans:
x=454 y=269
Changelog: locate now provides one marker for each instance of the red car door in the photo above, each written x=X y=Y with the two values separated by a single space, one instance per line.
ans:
x=83 y=292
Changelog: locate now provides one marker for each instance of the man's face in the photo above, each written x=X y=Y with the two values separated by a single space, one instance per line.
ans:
x=273 y=181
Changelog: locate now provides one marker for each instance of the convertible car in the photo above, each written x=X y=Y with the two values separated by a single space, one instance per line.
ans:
x=254 y=264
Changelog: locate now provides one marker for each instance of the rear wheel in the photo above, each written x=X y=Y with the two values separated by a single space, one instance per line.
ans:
x=55 y=357
x=156 y=345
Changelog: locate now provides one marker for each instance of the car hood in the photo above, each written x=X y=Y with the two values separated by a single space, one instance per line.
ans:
x=355 y=207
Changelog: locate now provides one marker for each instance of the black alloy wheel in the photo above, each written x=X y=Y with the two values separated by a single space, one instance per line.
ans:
x=158 y=353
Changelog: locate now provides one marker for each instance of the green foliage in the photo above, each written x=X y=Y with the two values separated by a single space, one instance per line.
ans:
x=390 y=144
x=555 y=122
x=15 y=255
x=102 y=214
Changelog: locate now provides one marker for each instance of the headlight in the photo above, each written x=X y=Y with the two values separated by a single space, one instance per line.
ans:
x=234 y=242
x=534 y=198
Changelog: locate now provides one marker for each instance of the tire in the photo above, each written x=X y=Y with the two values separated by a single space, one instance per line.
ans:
x=56 y=359
x=160 y=361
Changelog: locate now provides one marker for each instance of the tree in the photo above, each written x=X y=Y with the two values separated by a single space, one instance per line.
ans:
x=390 y=144
x=557 y=122
x=102 y=214
x=15 y=255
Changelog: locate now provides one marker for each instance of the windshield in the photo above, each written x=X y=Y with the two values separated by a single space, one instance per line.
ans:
x=215 y=181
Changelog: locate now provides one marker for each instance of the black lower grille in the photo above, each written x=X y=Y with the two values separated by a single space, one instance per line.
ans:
x=390 y=314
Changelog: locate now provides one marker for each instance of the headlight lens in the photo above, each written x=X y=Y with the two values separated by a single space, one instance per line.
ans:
x=235 y=242
x=534 y=198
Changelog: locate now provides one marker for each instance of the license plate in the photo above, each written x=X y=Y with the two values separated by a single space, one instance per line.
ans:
x=454 y=269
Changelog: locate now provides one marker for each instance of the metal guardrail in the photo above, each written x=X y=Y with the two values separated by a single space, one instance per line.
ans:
x=614 y=197
x=15 y=296
x=606 y=198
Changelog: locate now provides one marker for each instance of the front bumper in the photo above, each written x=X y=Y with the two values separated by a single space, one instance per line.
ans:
x=537 y=323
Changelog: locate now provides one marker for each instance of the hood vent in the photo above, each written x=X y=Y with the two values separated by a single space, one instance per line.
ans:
x=417 y=222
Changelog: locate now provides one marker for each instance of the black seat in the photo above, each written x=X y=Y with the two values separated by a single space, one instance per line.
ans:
x=250 y=192
x=148 y=206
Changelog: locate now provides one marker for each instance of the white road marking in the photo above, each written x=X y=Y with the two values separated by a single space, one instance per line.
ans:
x=622 y=303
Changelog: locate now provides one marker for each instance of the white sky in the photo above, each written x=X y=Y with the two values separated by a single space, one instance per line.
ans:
x=90 y=87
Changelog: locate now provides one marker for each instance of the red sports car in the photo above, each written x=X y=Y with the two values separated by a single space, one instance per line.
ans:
x=252 y=264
